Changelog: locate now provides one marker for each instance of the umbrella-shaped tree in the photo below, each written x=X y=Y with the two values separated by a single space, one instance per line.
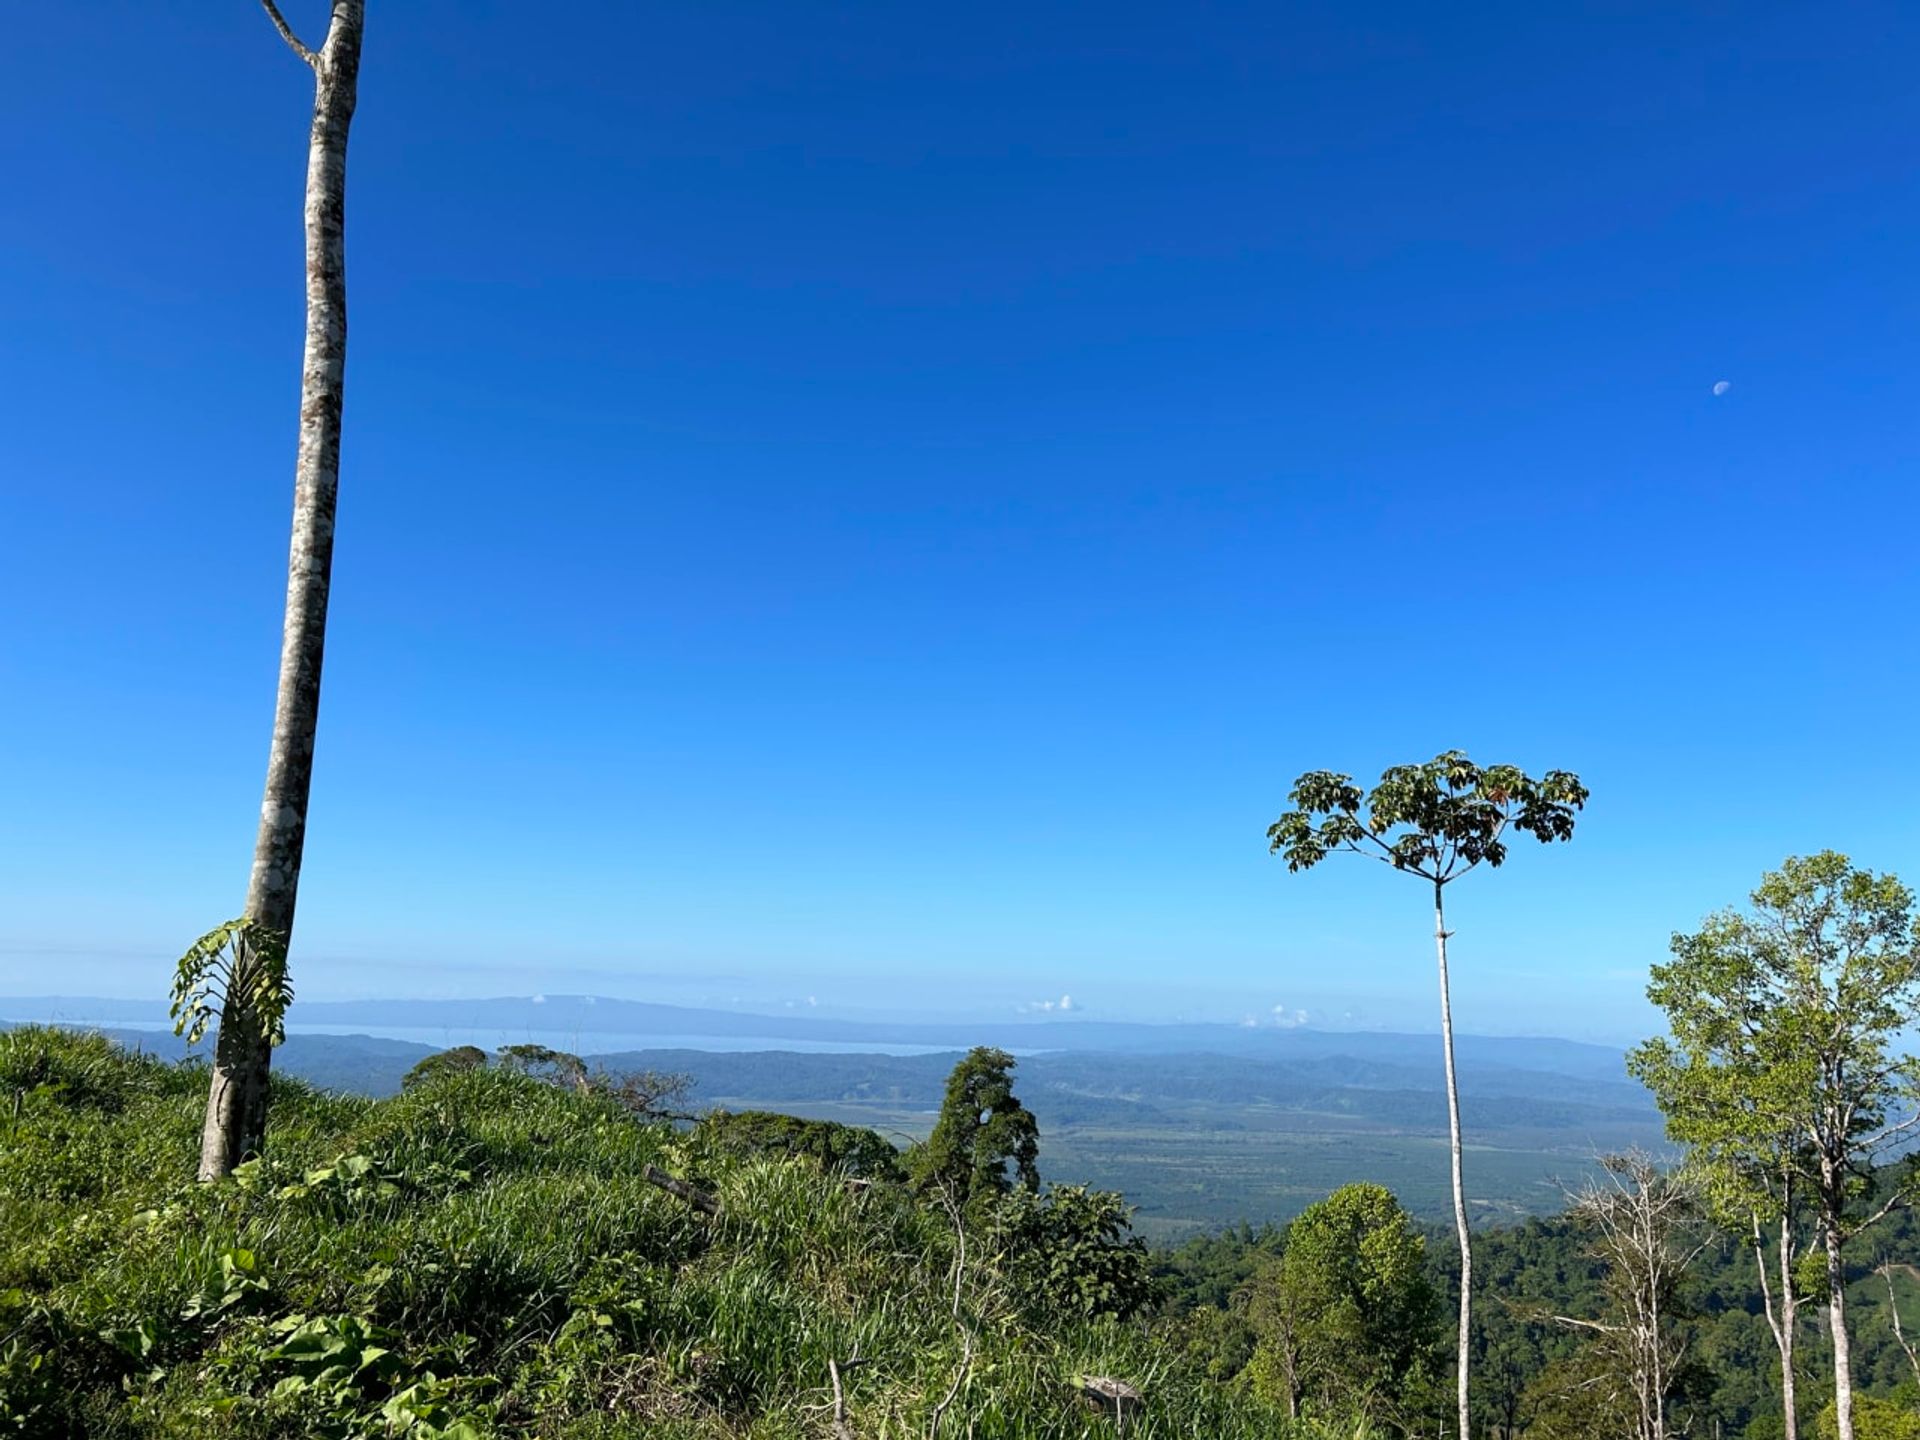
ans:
x=1435 y=821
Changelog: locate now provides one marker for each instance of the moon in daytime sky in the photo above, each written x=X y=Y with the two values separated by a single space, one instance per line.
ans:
x=1720 y=387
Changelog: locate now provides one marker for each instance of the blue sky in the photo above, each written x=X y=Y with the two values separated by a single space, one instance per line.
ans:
x=875 y=503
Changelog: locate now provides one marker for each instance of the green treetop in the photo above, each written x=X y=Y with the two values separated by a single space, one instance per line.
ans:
x=985 y=1141
x=1347 y=1319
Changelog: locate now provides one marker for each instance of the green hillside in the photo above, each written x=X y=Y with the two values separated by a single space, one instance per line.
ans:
x=484 y=1254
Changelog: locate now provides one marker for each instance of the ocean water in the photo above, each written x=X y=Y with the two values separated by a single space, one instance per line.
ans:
x=602 y=1042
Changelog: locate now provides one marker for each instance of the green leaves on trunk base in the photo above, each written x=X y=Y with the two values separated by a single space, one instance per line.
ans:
x=239 y=967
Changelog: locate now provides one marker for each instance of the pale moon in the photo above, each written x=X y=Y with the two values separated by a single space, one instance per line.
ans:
x=1720 y=387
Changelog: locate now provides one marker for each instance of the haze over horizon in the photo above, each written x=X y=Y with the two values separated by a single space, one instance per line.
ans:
x=879 y=506
x=562 y=1013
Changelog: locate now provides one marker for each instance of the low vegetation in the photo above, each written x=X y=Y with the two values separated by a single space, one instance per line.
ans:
x=485 y=1254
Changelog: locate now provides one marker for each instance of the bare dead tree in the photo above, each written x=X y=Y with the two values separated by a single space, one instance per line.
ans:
x=1642 y=1226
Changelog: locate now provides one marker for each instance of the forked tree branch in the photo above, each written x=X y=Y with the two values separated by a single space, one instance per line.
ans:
x=286 y=34
x=1894 y=1202
x=842 y=1428
x=1766 y=1286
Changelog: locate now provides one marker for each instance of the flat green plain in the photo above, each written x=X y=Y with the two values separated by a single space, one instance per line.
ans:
x=1266 y=1166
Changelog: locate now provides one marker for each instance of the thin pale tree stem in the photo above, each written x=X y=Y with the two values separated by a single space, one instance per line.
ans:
x=237 y=1098
x=1780 y=1319
x=1465 y=1338
x=1831 y=1238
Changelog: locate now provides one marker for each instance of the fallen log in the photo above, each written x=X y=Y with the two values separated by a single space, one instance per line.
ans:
x=674 y=1185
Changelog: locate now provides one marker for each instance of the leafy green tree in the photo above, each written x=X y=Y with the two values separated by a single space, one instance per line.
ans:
x=1347 y=1319
x=1220 y=1341
x=1782 y=1055
x=1071 y=1252
x=1435 y=821
x=1581 y=1397
x=457 y=1061
x=985 y=1142
x=1754 y=1192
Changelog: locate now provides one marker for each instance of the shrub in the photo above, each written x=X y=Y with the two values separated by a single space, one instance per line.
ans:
x=1873 y=1419
x=838 y=1149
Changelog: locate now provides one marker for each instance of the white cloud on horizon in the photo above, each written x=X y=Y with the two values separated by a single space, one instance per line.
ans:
x=1065 y=1002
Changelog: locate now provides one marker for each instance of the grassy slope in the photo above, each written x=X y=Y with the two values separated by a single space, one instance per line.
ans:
x=492 y=1258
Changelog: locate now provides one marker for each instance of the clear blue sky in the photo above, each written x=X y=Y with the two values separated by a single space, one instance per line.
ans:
x=878 y=503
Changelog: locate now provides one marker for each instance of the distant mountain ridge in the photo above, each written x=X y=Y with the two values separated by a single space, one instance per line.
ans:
x=584 y=1016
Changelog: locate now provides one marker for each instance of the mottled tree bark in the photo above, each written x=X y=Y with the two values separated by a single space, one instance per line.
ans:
x=1833 y=1238
x=1464 y=1342
x=237 y=1099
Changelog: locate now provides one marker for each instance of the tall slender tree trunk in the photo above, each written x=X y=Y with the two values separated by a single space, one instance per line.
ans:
x=1830 y=1238
x=1465 y=1338
x=1657 y=1360
x=1781 y=1321
x=237 y=1097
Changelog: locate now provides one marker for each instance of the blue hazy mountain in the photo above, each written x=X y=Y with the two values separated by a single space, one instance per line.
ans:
x=579 y=1019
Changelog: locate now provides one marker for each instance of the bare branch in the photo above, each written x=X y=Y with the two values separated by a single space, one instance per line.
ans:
x=1882 y=1138
x=1766 y=1288
x=1894 y=1202
x=1893 y=1310
x=1575 y=1323
x=842 y=1429
x=286 y=34
x=959 y=1245
x=966 y=1331
x=1385 y=851
x=959 y=1379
